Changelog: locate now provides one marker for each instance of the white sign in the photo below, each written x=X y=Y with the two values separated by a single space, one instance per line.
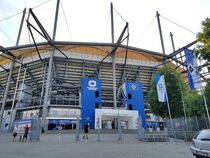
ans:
x=92 y=85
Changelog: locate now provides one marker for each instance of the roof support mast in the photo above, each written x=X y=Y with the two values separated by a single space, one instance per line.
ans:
x=113 y=61
x=11 y=69
x=161 y=36
x=49 y=74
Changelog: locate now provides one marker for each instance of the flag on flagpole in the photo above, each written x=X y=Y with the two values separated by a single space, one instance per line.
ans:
x=162 y=92
x=192 y=69
x=161 y=88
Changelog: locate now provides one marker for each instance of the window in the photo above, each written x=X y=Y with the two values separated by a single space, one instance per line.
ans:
x=130 y=107
x=96 y=105
x=96 y=93
x=204 y=136
x=129 y=96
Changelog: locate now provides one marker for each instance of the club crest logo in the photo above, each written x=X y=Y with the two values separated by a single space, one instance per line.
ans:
x=133 y=86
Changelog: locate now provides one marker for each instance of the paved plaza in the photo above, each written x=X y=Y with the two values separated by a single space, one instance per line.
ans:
x=64 y=146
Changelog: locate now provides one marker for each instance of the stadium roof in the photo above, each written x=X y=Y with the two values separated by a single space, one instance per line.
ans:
x=100 y=49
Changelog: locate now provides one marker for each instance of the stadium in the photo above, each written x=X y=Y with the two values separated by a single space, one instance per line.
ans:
x=61 y=81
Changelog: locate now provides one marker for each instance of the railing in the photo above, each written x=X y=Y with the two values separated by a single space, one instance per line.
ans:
x=54 y=100
x=156 y=136
x=64 y=100
x=182 y=128
x=30 y=102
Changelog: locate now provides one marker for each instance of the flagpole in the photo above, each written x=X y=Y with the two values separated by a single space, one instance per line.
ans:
x=182 y=94
x=163 y=96
x=205 y=103
x=169 y=112
x=169 y=109
x=166 y=96
x=204 y=98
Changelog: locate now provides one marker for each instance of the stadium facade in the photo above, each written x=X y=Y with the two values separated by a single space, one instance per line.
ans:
x=29 y=78
x=61 y=82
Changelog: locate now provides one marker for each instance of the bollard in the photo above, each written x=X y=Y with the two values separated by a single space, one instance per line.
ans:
x=20 y=139
x=77 y=130
x=59 y=136
x=98 y=139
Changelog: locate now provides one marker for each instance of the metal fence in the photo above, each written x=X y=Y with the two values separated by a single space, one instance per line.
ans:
x=181 y=128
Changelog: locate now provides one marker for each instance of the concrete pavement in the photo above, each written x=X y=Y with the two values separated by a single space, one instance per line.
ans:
x=63 y=146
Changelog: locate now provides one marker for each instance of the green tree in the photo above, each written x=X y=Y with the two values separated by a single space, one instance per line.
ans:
x=203 y=48
x=203 y=51
x=174 y=94
x=194 y=103
x=207 y=94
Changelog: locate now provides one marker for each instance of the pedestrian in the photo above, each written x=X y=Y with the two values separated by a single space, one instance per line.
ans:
x=86 y=127
x=42 y=131
x=26 y=131
x=14 y=133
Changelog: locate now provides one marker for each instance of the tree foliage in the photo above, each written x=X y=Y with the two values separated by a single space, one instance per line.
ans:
x=203 y=49
x=194 y=103
x=207 y=94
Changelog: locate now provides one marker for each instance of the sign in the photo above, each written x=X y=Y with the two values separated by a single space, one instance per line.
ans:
x=62 y=121
x=92 y=85
x=21 y=124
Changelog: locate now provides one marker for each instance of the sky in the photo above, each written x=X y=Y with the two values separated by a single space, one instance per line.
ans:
x=89 y=21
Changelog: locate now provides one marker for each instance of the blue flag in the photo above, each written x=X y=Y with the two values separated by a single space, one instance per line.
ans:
x=192 y=69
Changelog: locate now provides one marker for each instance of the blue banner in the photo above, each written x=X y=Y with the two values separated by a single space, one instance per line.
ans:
x=161 y=88
x=192 y=69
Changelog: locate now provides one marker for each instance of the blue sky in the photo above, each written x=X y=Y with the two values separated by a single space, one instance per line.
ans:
x=90 y=20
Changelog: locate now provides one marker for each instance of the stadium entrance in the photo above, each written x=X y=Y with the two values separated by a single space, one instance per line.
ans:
x=107 y=118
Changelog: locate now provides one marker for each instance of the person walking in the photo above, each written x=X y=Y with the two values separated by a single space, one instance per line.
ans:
x=42 y=130
x=86 y=127
x=14 y=134
x=26 y=131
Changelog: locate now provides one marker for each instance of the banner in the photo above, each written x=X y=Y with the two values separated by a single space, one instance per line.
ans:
x=161 y=88
x=192 y=69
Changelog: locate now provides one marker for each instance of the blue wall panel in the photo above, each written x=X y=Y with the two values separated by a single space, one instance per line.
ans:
x=135 y=99
x=90 y=99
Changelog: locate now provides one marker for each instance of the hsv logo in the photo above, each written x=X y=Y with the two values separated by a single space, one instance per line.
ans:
x=92 y=85
x=160 y=85
x=191 y=68
x=133 y=86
